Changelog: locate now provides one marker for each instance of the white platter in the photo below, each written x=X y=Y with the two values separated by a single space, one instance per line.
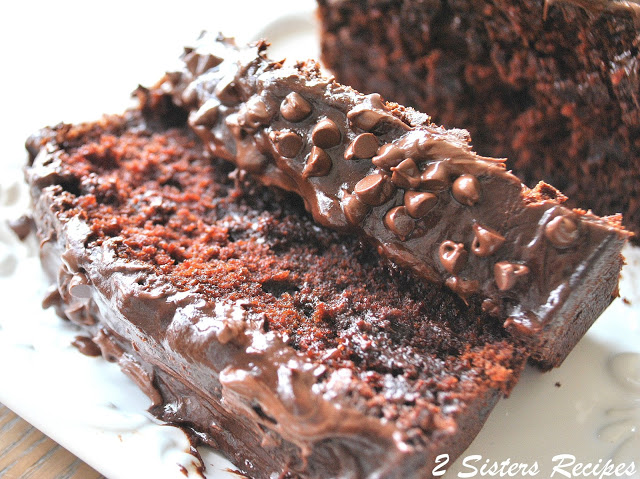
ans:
x=74 y=63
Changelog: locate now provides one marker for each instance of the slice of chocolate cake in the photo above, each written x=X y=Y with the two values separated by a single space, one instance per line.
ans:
x=414 y=190
x=288 y=347
x=552 y=85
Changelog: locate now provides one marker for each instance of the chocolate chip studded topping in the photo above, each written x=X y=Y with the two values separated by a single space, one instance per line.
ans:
x=189 y=97
x=318 y=164
x=435 y=176
x=462 y=287
x=526 y=324
x=207 y=114
x=198 y=64
x=253 y=114
x=506 y=274
x=486 y=241
x=326 y=134
x=466 y=190
x=226 y=92
x=365 y=145
x=490 y=306
x=406 y=174
x=374 y=189
x=388 y=156
x=453 y=256
x=392 y=147
x=354 y=209
x=419 y=203
x=364 y=118
x=287 y=143
x=562 y=231
x=371 y=115
x=399 y=222
x=295 y=108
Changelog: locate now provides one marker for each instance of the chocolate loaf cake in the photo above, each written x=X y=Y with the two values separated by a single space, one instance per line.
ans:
x=553 y=86
x=288 y=347
x=413 y=189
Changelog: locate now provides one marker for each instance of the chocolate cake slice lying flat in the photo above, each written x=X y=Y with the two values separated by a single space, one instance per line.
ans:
x=414 y=190
x=290 y=348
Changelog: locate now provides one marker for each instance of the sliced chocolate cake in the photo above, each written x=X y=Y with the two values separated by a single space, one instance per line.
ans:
x=552 y=85
x=288 y=347
x=295 y=348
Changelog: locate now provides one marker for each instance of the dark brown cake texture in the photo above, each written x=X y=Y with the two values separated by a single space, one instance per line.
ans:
x=414 y=190
x=552 y=85
x=291 y=349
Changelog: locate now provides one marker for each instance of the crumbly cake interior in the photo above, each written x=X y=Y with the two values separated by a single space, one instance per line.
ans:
x=332 y=298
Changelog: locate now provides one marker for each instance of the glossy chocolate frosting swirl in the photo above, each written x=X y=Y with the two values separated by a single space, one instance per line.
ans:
x=414 y=189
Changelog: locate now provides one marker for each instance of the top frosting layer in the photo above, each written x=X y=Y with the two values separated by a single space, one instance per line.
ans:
x=414 y=189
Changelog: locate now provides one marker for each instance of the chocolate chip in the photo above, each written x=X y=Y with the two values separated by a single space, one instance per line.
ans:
x=191 y=61
x=435 y=176
x=208 y=61
x=419 y=203
x=326 y=134
x=226 y=91
x=453 y=256
x=486 y=241
x=372 y=115
x=506 y=274
x=399 y=222
x=466 y=190
x=354 y=210
x=374 y=189
x=79 y=286
x=387 y=156
x=174 y=77
x=489 y=306
x=365 y=118
x=526 y=323
x=562 y=231
x=365 y=145
x=462 y=287
x=406 y=174
x=294 y=107
x=198 y=64
x=189 y=96
x=287 y=143
x=318 y=163
x=207 y=114
x=253 y=114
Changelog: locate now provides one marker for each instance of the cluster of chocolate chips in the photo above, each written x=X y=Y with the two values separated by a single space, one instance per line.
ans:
x=486 y=241
x=422 y=182
x=326 y=134
x=562 y=232
x=405 y=171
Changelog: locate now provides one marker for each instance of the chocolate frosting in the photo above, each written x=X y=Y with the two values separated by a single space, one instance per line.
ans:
x=415 y=190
